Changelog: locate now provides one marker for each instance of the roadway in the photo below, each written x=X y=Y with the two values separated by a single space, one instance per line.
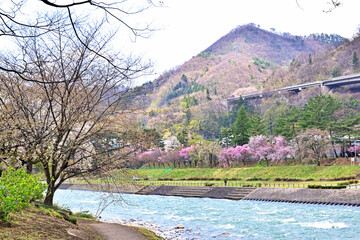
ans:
x=329 y=83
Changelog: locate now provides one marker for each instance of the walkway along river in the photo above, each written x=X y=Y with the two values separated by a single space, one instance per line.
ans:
x=206 y=218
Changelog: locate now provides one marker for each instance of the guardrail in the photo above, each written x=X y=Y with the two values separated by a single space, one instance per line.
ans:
x=337 y=81
x=237 y=184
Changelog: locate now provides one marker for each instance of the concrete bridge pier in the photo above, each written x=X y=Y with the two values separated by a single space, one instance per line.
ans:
x=325 y=89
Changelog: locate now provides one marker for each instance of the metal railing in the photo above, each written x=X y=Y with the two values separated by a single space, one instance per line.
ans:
x=238 y=184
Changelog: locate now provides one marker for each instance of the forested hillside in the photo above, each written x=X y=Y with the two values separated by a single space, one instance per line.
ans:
x=190 y=101
x=320 y=65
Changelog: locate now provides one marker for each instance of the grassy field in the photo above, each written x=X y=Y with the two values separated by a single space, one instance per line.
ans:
x=304 y=172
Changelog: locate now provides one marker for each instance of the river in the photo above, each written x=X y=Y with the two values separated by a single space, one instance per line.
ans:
x=205 y=218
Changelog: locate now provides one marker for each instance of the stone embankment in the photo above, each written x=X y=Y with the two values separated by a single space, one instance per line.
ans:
x=348 y=197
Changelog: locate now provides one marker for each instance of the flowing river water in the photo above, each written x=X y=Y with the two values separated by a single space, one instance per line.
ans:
x=205 y=218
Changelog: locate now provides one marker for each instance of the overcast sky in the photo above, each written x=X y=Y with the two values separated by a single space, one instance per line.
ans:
x=190 y=26
x=187 y=27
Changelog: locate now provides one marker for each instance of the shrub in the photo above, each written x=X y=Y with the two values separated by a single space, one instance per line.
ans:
x=338 y=178
x=72 y=220
x=84 y=214
x=17 y=190
x=235 y=179
x=252 y=179
x=209 y=184
x=348 y=182
x=308 y=179
x=287 y=179
x=53 y=213
x=246 y=185
x=165 y=179
x=326 y=187
x=293 y=179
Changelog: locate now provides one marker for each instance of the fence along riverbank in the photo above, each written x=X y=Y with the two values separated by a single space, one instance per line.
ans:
x=237 y=184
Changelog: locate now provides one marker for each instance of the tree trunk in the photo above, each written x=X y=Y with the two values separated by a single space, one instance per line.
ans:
x=333 y=145
x=49 y=198
x=29 y=167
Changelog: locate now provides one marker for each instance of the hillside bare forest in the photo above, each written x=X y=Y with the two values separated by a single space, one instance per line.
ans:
x=189 y=101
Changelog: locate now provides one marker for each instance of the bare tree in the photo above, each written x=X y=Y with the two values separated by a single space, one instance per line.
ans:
x=19 y=20
x=70 y=107
x=208 y=153
x=314 y=143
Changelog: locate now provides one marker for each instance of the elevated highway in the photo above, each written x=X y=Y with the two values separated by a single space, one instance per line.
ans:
x=325 y=85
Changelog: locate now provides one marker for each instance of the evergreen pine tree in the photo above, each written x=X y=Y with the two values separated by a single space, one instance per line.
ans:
x=257 y=126
x=355 y=61
x=184 y=78
x=208 y=94
x=235 y=109
x=241 y=127
x=287 y=124
x=319 y=112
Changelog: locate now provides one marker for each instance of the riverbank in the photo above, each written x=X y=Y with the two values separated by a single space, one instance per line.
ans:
x=40 y=223
x=348 y=197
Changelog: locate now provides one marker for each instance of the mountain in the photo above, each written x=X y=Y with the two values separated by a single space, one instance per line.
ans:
x=238 y=63
x=248 y=59
x=320 y=65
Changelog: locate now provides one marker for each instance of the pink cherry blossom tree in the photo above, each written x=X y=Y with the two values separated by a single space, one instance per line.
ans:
x=242 y=153
x=352 y=149
x=233 y=155
x=172 y=157
x=281 y=150
x=189 y=154
x=261 y=148
x=152 y=157
x=226 y=157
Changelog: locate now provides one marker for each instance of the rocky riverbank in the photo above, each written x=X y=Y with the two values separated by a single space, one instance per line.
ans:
x=168 y=233
x=179 y=232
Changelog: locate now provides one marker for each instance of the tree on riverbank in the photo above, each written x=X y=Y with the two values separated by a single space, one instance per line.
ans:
x=67 y=103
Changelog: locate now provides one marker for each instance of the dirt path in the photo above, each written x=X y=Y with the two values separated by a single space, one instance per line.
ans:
x=114 y=231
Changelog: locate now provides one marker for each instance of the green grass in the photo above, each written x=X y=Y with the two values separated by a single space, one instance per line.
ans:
x=314 y=172
x=150 y=173
x=147 y=233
